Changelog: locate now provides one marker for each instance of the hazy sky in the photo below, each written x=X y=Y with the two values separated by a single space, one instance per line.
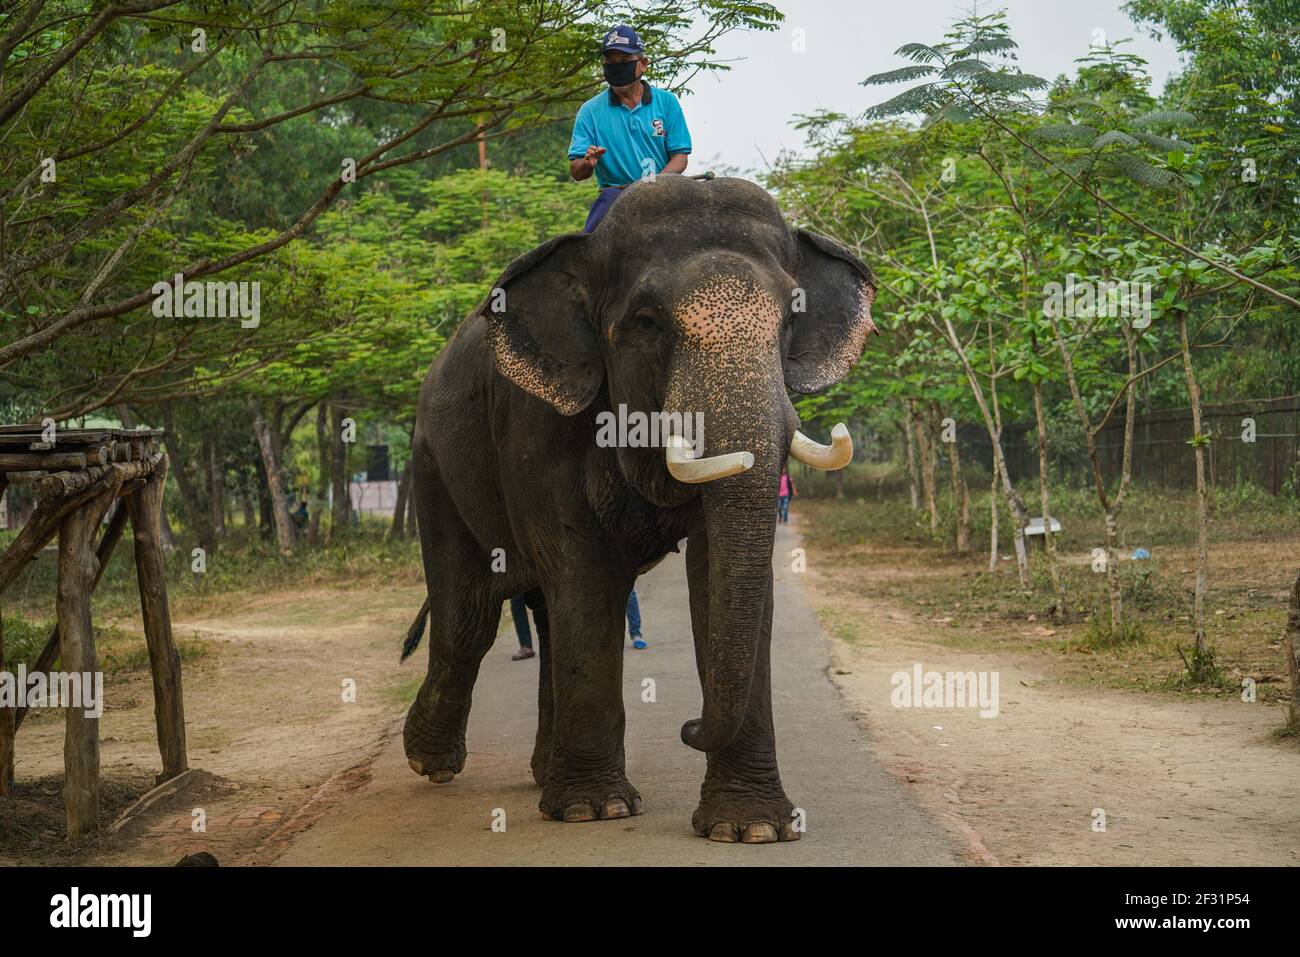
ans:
x=743 y=115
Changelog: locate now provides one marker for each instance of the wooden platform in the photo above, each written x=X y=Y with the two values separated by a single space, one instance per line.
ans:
x=82 y=479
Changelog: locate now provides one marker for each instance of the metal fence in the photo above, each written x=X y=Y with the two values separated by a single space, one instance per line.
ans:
x=1256 y=442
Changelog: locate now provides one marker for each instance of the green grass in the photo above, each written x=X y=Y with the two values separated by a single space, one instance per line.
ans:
x=116 y=649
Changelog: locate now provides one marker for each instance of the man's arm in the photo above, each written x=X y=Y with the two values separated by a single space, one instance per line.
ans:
x=583 y=166
x=676 y=163
x=584 y=154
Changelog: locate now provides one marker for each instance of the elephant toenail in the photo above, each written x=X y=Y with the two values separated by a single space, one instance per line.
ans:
x=726 y=833
x=441 y=776
x=577 y=813
x=615 y=807
x=762 y=833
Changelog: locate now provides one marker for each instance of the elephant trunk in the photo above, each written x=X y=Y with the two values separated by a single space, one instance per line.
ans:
x=740 y=519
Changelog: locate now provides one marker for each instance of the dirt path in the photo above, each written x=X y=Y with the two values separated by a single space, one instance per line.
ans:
x=1180 y=782
x=265 y=719
x=294 y=774
x=856 y=813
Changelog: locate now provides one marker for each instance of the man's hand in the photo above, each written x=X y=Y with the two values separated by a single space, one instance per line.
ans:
x=584 y=166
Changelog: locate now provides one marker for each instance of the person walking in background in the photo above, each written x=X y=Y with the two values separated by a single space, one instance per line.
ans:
x=784 y=494
x=519 y=612
x=634 y=621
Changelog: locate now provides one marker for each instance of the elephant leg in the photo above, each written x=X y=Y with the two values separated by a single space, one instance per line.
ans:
x=742 y=798
x=464 y=613
x=545 y=690
x=461 y=630
x=585 y=778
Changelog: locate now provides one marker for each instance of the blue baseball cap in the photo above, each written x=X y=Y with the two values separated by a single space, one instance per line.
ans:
x=622 y=39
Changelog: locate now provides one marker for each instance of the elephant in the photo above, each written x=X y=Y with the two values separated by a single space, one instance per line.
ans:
x=691 y=297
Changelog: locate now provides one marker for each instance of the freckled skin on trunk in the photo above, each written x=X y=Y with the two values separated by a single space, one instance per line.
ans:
x=678 y=302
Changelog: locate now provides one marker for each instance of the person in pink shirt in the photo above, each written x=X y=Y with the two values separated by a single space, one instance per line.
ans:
x=784 y=494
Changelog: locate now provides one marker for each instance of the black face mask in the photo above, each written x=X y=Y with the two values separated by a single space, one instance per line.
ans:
x=621 y=74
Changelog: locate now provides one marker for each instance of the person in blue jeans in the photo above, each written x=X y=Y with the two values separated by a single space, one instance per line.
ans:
x=519 y=612
x=634 y=621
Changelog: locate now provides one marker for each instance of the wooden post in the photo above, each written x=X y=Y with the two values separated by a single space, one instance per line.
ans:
x=8 y=727
x=107 y=542
x=145 y=505
x=77 y=568
x=8 y=716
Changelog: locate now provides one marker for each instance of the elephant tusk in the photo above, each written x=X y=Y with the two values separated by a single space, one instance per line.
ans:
x=825 y=457
x=685 y=468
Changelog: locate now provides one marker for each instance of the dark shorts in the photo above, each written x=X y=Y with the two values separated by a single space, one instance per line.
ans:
x=604 y=200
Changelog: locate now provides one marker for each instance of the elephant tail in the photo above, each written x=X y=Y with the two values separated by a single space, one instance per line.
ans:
x=416 y=631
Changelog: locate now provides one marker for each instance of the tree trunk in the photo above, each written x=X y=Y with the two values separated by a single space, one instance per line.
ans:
x=274 y=480
x=1015 y=505
x=199 y=518
x=1202 y=490
x=1292 y=651
x=1049 y=539
x=1110 y=506
x=168 y=536
x=993 y=516
x=265 y=513
x=1112 y=573
x=342 y=507
x=992 y=415
x=246 y=499
x=960 y=498
x=216 y=487
x=323 y=472
x=396 y=530
x=926 y=449
x=913 y=482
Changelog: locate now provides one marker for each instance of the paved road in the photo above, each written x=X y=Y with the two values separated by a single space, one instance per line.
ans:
x=856 y=813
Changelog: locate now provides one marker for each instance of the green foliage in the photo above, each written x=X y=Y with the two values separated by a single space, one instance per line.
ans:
x=212 y=139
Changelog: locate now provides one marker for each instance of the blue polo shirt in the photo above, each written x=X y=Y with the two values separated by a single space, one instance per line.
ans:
x=637 y=141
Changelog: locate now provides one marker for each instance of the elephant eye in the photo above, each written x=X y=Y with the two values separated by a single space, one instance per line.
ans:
x=646 y=319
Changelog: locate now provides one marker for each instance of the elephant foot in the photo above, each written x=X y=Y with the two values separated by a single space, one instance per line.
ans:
x=580 y=803
x=435 y=760
x=756 y=821
x=427 y=767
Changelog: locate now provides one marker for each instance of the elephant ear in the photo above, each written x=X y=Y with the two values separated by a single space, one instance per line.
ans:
x=831 y=332
x=540 y=327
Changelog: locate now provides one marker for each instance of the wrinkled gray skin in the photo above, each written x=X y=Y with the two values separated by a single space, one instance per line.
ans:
x=683 y=299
